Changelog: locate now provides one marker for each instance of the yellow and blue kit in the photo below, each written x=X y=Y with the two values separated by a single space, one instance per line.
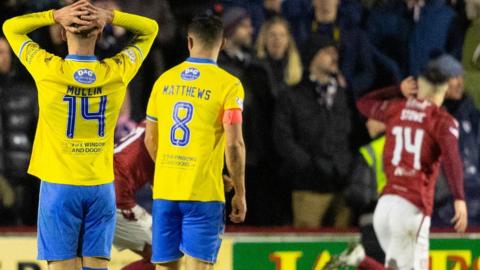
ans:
x=79 y=101
x=188 y=103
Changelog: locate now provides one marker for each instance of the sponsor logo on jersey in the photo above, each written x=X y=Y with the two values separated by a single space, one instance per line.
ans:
x=85 y=76
x=190 y=74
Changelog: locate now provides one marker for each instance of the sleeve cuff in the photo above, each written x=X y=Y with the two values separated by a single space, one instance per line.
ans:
x=151 y=118
x=49 y=16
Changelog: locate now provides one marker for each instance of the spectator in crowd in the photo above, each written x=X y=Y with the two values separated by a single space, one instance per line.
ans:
x=409 y=31
x=17 y=122
x=7 y=195
x=237 y=54
x=471 y=52
x=460 y=105
x=339 y=22
x=238 y=59
x=311 y=133
x=367 y=182
x=276 y=47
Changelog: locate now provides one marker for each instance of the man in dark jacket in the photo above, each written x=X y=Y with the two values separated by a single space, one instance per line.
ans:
x=17 y=122
x=461 y=106
x=338 y=21
x=311 y=133
x=237 y=59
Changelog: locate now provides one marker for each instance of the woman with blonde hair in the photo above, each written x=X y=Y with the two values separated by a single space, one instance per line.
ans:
x=275 y=45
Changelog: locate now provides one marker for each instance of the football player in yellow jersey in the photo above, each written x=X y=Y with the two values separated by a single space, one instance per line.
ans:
x=194 y=121
x=79 y=99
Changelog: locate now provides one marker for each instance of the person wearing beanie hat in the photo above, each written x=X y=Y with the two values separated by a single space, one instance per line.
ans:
x=461 y=106
x=447 y=64
x=238 y=59
x=232 y=18
x=238 y=31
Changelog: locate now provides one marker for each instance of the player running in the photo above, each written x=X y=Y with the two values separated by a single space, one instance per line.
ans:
x=134 y=169
x=80 y=99
x=419 y=133
x=194 y=121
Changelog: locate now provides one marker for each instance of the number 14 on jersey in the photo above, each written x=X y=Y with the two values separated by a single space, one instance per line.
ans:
x=403 y=142
x=86 y=114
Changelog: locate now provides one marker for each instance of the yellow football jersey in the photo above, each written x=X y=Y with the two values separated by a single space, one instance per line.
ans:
x=79 y=99
x=188 y=102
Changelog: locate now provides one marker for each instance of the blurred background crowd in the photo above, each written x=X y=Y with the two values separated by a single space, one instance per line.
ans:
x=312 y=160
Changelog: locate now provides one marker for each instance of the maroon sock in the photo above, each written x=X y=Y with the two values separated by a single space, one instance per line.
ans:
x=139 y=265
x=370 y=264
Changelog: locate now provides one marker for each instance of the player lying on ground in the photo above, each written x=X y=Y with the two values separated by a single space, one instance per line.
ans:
x=133 y=169
x=80 y=99
x=419 y=133
x=194 y=122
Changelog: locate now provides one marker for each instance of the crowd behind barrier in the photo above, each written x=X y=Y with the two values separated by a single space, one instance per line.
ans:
x=313 y=161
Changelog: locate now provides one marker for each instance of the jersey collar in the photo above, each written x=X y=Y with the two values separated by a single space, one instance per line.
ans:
x=81 y=58
x=201 y=60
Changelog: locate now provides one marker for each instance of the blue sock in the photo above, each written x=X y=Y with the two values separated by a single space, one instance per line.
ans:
x=89 y=268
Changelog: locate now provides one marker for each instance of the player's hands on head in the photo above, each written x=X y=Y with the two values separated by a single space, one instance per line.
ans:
x=409 y=87
x=460 y=220
x=70 y=16
x=97 y=16
x=227 y=183
x=239 y=209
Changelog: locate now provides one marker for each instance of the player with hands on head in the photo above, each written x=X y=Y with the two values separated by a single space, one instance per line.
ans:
x=80 y=99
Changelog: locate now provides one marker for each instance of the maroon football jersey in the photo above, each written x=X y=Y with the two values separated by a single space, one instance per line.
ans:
x=133 y=167
x=418 y=134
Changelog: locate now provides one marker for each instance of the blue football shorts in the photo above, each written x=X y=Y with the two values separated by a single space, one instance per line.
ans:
x=75 y=221
x=191 y=228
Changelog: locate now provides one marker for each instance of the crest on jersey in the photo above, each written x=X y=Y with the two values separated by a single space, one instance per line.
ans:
x=85 y=76
x=190 y=74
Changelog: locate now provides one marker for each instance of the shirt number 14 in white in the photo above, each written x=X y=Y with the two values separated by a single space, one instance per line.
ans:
x=403 y=141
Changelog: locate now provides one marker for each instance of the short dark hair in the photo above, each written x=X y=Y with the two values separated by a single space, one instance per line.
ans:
x=85 y=33
x=434 y=76
x=208 y=28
